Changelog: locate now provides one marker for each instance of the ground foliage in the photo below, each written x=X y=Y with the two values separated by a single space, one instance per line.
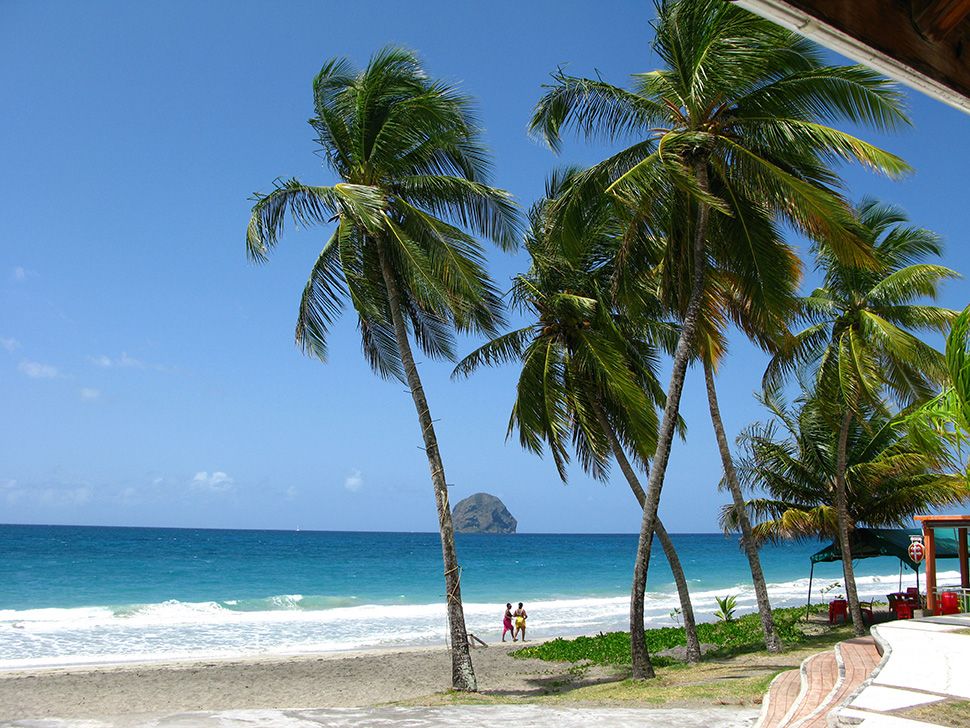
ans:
x=743 y=634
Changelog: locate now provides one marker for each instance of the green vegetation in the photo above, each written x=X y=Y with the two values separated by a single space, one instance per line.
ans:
x=951 y=713
x=732 y=140
x=946 y=417
x=725 y=608
x=859 y=351
x=792 y=459
x=729 y=638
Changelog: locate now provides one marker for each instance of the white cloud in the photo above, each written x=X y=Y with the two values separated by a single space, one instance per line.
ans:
x=354 y=481
x=64 y=496
x=36 y=370
x=58 y=496
x=292 y=492
x=89 y=394
x=217 y=482
x=19 y=273
x=9 y=343
x=122 y=362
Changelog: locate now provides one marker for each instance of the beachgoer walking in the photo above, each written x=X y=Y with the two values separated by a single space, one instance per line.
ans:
x=520 y=617
x=507 y=623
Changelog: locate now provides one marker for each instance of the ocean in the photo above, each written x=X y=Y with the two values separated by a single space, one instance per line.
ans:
x=83 y=595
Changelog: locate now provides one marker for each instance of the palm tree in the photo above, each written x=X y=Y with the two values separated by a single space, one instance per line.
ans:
x=947 y=416
x=737 y=117
x=587 y=369
x=794 y=458
x=413 y=178
x=859 y=346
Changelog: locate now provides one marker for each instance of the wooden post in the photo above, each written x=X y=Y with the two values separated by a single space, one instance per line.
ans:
x=964 y=560
x=929 y=546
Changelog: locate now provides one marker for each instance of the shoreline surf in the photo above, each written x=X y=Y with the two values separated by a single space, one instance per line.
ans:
x=153 y=633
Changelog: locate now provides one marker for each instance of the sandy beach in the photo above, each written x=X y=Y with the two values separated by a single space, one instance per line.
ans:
x=329 y=689
x=322 y=681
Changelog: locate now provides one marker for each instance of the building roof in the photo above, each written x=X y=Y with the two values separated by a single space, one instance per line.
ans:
x=924 y=44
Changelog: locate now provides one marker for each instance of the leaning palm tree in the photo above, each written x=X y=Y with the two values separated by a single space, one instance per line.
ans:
x=736 y=295
x=737 y=116
x=742 y=523
x=794 y=460
x=587 y=368
x=859 y=346
x=412 y=191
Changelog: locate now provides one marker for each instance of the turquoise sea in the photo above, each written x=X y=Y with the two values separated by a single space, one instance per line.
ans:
x=73 y=595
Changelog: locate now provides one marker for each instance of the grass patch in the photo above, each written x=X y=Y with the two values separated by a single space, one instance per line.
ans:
x=730 y=638
x=953 y=713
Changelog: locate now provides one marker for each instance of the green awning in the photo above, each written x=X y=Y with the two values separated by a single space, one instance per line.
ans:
x=870 y=542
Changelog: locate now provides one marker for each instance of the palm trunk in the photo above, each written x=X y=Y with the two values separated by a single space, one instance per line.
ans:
x=640 y=657
x=842 y=515
x=462 y=671
x=747 y=537
x=686 y=608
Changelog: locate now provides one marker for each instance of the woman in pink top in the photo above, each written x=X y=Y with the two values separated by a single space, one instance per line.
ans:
x=507 y=623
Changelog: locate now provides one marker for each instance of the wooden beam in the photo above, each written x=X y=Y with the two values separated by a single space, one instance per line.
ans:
x=938 y=19
x=926 y=46
x=929 y=549
x=964 y=560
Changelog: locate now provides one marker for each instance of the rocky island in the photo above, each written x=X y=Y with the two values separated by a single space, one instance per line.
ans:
x=483 y=513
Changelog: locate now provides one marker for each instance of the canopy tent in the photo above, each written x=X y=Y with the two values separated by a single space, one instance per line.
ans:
x=870 y=542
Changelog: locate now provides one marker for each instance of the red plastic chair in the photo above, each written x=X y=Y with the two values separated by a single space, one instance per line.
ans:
x=949 y=603
x=838 y=608
x=900 y=607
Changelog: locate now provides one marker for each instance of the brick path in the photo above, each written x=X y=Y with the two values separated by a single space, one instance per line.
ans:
x=820 y=673
x=781 y=696
x=818 y=687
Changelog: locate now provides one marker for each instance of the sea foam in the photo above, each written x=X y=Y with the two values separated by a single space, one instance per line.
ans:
x=303 y=624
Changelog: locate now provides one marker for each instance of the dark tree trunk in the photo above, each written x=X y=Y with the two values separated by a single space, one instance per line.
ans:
x=642 y=668
x=747 y=537
x=462 y=671
x=686 y=608
x=844 y=524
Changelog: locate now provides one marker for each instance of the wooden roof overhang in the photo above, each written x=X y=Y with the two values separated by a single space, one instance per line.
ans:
x=944 y=521
x=924 y=44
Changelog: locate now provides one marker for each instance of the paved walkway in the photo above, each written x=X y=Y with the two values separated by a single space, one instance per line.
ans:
x=924 y=661
x=447 y=717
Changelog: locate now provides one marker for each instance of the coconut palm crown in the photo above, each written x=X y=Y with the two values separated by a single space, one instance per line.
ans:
x=581 y=354
x=413 y=182
x=792 y=458
x=859 y=345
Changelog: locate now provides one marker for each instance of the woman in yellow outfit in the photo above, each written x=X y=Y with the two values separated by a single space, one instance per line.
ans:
x=520 y=617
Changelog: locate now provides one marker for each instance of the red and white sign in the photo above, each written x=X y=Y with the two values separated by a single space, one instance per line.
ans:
x=916 y=550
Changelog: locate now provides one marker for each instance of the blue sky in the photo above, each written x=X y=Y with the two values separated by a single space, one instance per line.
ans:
x=147 y=372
